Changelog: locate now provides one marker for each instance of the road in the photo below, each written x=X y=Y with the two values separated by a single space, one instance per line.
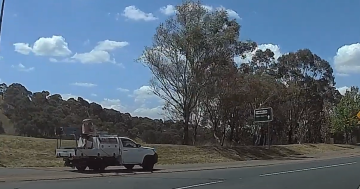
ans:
x=329 y=174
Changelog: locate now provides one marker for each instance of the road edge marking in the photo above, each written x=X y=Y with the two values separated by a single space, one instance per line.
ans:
x=307 y=169
x=198 y=185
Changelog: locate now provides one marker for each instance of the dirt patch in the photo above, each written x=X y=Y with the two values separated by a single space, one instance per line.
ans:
x=36 y=152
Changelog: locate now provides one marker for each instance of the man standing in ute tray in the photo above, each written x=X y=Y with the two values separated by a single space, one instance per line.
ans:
x=87 y=129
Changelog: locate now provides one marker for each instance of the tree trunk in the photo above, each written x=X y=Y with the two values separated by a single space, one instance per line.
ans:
x=290 y=135
x=223 y=135
x=195 y=133
x=231 y=137
x=186 y=134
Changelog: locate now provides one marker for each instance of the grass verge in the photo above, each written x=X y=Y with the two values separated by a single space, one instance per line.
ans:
x=19 y=151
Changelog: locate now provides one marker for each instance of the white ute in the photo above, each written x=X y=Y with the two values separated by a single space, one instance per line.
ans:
x=98 y=151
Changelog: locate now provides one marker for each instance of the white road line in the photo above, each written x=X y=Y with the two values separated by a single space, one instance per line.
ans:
x=198 y=185
x=307 y=169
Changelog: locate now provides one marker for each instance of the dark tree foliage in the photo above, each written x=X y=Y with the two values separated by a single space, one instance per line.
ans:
x=37 y=114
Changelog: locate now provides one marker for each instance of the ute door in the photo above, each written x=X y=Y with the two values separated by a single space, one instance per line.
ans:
x=130 y=152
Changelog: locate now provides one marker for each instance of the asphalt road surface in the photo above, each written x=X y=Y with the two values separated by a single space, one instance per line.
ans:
x=330 y=174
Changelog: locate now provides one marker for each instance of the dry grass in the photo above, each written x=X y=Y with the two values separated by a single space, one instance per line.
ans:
x=19 y=151
x=35 y=152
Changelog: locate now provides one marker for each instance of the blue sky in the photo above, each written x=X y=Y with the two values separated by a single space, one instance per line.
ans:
x=87 y=47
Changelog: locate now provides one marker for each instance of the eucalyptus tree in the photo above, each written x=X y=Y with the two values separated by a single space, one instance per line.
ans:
x=310 y=80
x=344 y=119
x=184 y=48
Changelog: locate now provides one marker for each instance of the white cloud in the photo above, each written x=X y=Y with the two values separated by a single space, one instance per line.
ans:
x=343 y=90
x=22 y=48
x=123 y=90
x=84 y=84
x=62 y=60
x=56 y=46
x=154 y=113
x=22 y=68
x=133 y=13
x=168 y=10
x=231 y=13
x=51 y=46
x=112 y=104
x=93 y=94
x=274 y=48
x=93 y=57
x=45 y=46
x=347 y=59
x=100 y=53
x=108 y=45
x=143 y=94
x=67 y=96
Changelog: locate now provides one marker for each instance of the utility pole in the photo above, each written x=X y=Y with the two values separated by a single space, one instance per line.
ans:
x=268 y=134
x=1 y=15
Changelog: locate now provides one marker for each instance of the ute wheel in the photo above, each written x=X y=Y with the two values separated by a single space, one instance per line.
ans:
x=148 y=164
x=97 y=169
x=101 y=168
x=92 y=168
x=148 y=167
x=80 y=167
x=129 y=167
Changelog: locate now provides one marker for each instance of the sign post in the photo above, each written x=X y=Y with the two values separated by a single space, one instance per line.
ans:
x=358 y=115
x=264 y=115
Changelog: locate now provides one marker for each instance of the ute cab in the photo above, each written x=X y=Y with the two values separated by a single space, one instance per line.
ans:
x=98 y=150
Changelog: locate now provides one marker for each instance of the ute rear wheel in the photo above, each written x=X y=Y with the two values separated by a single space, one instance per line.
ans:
x=101 y=168
x=81 y=167
x=98 y=167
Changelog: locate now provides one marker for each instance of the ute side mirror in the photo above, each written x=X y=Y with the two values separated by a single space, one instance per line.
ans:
x=138 y=145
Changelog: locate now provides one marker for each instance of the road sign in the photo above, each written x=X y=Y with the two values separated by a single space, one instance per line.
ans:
x=358 y=115
x=263 y=114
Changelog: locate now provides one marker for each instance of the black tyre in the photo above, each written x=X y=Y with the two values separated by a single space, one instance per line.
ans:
x=129 y=167
x=148 y=167
x=148 y=163
x=101 y=168
x=81 y=167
